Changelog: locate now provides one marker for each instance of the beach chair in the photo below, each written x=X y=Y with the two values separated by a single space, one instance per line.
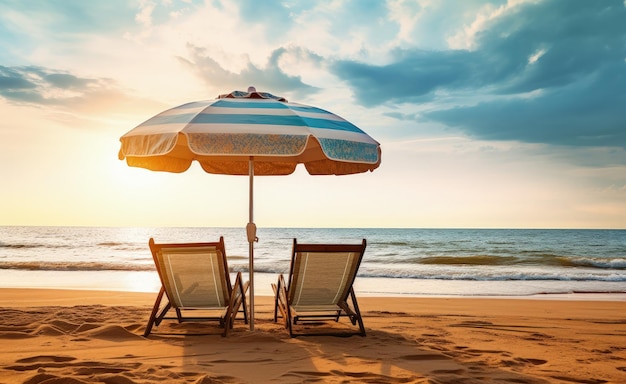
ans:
x=196 y=282
x=319 y=285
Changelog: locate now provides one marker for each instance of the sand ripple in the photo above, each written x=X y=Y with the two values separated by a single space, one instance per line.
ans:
x=410 y=342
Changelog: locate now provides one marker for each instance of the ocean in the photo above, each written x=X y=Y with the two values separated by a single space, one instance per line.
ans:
x=397 y=262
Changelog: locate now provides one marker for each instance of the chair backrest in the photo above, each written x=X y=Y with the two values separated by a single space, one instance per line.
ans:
x=193 y=274
x=323 y=274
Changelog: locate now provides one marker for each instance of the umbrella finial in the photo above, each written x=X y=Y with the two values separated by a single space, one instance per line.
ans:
x=251 y=94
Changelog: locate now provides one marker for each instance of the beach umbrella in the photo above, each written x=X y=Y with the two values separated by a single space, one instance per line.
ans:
x=250 y=133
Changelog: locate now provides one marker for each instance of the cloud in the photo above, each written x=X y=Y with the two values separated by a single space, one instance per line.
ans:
x=38 y=85
x=78 y=99
x=271 y=77
x=414 y=76
x=547 y=72
x=580 y=114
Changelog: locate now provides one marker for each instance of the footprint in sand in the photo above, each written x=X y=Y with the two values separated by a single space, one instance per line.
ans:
x=580 y=381
x=45 y=359
x=216 y=379
x=371 y=377
x=37 y=362
x=537 y=337
x=423 y=357
x=47 y=378
x=449 y=371
x=13 y=335
x=522 y=361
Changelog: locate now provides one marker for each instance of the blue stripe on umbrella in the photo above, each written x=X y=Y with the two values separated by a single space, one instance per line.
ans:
x=304 y=108
x=263 y=104
x=297 y=121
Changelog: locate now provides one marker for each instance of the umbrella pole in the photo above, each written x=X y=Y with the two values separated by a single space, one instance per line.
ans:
x=251 y=232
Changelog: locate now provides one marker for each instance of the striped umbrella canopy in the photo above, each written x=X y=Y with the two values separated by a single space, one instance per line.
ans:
x=250 y=133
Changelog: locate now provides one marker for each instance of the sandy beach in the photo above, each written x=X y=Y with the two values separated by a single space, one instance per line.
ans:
x=72 y=336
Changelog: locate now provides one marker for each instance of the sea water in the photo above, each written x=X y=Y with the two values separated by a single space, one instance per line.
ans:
x=397 y=262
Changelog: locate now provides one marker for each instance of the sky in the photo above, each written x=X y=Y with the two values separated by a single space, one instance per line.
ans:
x=490 y=114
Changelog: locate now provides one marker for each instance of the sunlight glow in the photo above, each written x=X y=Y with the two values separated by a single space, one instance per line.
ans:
x=508 y=145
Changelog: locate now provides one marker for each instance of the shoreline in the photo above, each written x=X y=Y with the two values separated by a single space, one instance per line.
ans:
x=147 y=281
x=27 y=296
x=42 y=297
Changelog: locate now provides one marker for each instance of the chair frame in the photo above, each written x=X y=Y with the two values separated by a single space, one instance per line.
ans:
x=282 y=290
x=237 y=292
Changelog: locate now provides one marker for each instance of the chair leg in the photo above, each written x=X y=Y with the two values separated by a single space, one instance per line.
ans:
x=153 y=315
x=280 y=299
x=275 y=289
x=237 y=297
x=281 y=304
x=244 y=290
x=284 y=307
x=161 y=315
x=240 y=298
x=289 y=325
x=288 y=318
x=359 y=318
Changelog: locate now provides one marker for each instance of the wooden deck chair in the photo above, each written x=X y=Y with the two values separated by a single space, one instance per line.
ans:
x=196 y=281
x=319 y=285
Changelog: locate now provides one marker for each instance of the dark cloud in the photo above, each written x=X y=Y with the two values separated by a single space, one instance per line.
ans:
x=550 y=72
x=38 y=85
x=67 y=81
x=81 y=98
x=21 y=85
x=413 y=77
x=580 y=115
x=271 y=78
x=12 y=80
